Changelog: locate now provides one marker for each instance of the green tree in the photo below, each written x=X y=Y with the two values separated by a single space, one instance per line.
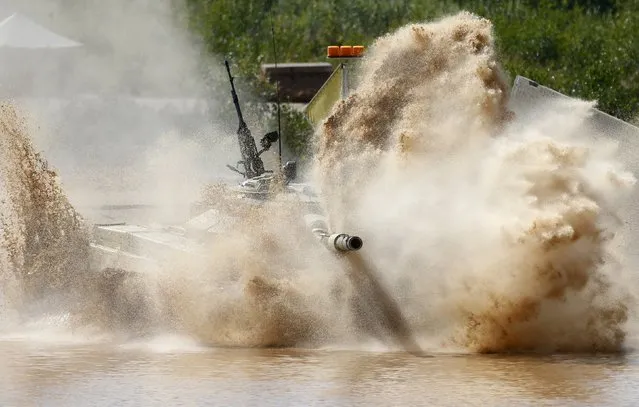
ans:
x=584 y=48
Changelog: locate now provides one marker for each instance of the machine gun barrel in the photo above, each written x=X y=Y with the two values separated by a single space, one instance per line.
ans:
x=236 y=100
x=253 y=164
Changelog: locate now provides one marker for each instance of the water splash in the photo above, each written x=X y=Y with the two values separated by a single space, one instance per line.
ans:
x=43 y=237
x=495 y=232
x=492 y=233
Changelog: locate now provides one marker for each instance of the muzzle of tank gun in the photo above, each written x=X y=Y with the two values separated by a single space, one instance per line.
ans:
x=344 y=242
x=334 y=241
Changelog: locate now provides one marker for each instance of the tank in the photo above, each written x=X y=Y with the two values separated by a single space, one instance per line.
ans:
x=143 y=248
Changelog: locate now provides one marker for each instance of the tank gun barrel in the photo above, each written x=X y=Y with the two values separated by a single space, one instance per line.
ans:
x=344 y=242
x=335 y=241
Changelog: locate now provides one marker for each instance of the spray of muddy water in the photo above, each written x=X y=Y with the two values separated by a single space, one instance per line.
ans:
x=44 y=242
x=265 y=283
x=490 y=232
x=493 y=232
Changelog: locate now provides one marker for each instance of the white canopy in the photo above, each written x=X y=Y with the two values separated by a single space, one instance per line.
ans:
x=17 y=31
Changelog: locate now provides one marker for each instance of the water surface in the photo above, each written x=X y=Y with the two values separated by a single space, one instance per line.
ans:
x=173 y=371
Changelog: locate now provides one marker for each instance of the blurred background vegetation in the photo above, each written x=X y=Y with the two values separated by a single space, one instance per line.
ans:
x=584 y=48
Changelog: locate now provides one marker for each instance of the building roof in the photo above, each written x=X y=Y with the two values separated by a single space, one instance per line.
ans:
x=298 y=81
x=18 y=31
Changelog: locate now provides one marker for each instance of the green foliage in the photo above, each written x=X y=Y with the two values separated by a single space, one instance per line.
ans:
x=242 y=28
x=573 y=47
x=584 y=48
x=301 y=130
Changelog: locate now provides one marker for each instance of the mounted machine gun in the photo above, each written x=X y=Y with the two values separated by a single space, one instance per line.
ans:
x=251 y=161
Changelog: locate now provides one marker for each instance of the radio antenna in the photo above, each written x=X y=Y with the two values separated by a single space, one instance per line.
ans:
x=277 y=95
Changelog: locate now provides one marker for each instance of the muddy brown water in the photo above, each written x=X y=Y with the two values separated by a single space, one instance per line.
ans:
x=42 y=369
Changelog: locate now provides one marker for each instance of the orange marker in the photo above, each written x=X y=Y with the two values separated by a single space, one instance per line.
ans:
x=332 y=51
x=346 y=51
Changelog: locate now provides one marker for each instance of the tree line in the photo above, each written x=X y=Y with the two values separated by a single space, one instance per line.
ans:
x=583 y=48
